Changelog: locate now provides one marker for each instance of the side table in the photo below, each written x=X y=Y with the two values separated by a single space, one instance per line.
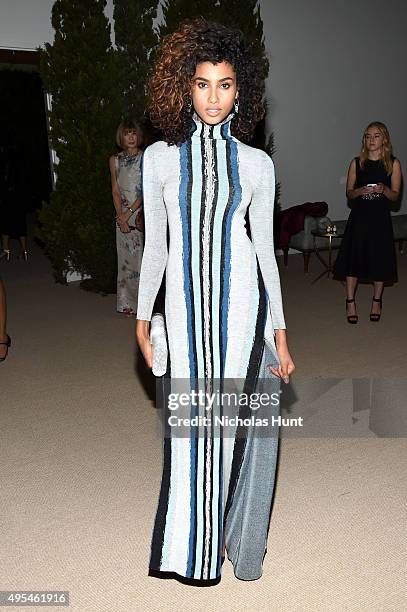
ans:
x=327 y=264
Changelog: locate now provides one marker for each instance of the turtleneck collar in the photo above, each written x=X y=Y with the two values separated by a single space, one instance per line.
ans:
x=220 y=131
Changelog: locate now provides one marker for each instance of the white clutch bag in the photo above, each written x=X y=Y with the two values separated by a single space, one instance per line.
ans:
x=158 y=339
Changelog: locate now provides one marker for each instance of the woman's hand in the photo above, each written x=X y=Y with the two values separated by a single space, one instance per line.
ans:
x=379 y=188
x=139 y=223
x=122 y=222
x=364 y=190
x=123 y=217
x=143 y=340
x=286 y=366
x=124 y=227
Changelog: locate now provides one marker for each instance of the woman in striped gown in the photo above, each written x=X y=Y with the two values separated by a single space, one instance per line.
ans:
x=223 y=309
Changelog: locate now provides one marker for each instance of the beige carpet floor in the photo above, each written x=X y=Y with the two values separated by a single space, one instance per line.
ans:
x=81 y=459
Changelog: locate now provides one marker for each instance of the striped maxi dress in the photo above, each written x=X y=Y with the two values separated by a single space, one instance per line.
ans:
x=222 y=305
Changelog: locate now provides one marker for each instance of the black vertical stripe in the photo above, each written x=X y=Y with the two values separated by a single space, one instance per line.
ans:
x=211 y=499
x=162 y=509
x=201 y=249
x=212 y=221
x=220 y=501
x=202 y=314
x=194 y=442
x=204 y=506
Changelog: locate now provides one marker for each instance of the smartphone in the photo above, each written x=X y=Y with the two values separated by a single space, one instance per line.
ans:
x=371 y=185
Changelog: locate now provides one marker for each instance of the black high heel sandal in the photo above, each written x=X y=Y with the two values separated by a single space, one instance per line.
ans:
x=375 y=317
x=8 y=344
x=353 y=319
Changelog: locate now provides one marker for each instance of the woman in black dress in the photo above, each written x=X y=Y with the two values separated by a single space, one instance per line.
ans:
x=12 y=201
x=5 y=339
x=367 y=250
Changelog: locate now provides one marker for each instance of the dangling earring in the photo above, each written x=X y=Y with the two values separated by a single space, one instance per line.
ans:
x=188 y=105
x=236 y=105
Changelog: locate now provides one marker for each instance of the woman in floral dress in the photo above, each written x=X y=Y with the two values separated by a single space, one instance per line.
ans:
x=125 y=169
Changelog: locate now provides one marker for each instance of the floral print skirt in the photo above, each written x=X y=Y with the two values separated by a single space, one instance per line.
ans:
x=129 y=256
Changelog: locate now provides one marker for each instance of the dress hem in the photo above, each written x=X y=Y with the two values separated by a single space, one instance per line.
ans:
x=364 y=279
x=188 y=581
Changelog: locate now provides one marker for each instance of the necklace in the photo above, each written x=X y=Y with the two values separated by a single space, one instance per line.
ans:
x=129 y=158
x=126 y=154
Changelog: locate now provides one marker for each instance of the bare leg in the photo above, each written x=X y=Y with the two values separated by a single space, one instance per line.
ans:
x=23 y=242
x=5 y=242
x=351 y=284
x=3 y=318
x=378 y=291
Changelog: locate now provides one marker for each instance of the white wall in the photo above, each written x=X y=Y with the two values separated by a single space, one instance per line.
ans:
x=25 y=24
x=335 y=66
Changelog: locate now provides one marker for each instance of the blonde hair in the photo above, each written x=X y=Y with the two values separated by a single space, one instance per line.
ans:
x=128 y=124
x=386 y=154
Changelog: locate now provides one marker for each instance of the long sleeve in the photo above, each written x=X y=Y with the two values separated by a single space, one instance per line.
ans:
x=155 y=247
x=261 y=211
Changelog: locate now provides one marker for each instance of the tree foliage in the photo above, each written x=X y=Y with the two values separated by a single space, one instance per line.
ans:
x=78 y=70
x=134 y=38
x=175 y=11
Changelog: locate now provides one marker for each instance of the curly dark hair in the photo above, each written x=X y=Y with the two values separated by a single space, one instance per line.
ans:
x=169 y=86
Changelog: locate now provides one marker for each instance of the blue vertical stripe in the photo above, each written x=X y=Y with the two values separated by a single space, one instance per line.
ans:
x=186 y=247
x=185 y=180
